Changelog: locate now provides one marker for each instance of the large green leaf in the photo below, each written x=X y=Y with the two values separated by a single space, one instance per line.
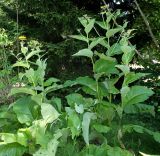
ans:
x=105 y=66
x=124 y=68
x=74 y=98
x=101 y=128
x=20 y=138
x=139 y=108
x=49 y=113
x=52 y=88
x=74 y=123
x=22 y=91
x=131 y=77
x=117 y=151
x=140 y=129
x=51 y=147
x=21 y=64
x=90 y=86
x=13 y=149
x=8 y=138
x=57 y=102
x=84 y=52
x=77 y=100
x=115 y=49
x=39 y=133
x=129 y=52
x=87 y=81
x=33 y=53
x=83 y=20
x=89 y=26
x=26 y=110
x=51 y=80
x=135 y=94
x=104 y=150
x=126 y=48
x=85 y=125
x=112 y=32
x=106 y=111
x=109 y=85
x=95 y=42
x=103 y=25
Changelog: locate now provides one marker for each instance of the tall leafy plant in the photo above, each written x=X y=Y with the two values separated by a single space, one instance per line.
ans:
x=32 y=111
x=110 y=92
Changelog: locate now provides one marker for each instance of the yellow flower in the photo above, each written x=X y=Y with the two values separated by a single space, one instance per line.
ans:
x=22 y=38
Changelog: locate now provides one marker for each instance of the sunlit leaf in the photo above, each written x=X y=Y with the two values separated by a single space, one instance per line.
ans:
x=105 y=66
x=101 y=128
x=112 y=32
x=85 y=125
x=49 y=113
x=89 y=26
x=96 y=42
x=33 y=53
x=84 y=52
x=124 y=68
x=51 y=147
x=22 y=91
x=25 y=110
x=80 y=37
x=131 y=77
x=115 y=49
x=135 y=95
x=21 y=64
x=13 y=149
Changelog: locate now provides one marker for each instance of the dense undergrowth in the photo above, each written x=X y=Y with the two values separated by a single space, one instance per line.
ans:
x=96 y=115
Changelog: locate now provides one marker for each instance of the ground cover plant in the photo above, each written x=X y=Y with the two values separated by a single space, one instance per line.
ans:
x=92 y=119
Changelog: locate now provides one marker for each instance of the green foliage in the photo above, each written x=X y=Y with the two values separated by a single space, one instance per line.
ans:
x=107 y=71
x=88 y=121
x=12 y=149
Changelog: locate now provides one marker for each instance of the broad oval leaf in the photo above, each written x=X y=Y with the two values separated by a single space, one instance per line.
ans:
x=74 y=122
x=13 y=149
x=105 y=66
x=115 y=49
x=51 y=147
x=49 y=113
x=22 y=91
x=103 y=25
x=126 y=49
x=112 y=32
x=96 y=42
x=135 y=95
x=132 y=77
x=139 y=108
x=129 y=52
x=84 y=52
x=83 y=20
x=124 y=68
x=51 y=80
x=26 y=110
x=101 y=128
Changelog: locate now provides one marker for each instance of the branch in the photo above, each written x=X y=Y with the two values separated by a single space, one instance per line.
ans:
x=147 y=25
